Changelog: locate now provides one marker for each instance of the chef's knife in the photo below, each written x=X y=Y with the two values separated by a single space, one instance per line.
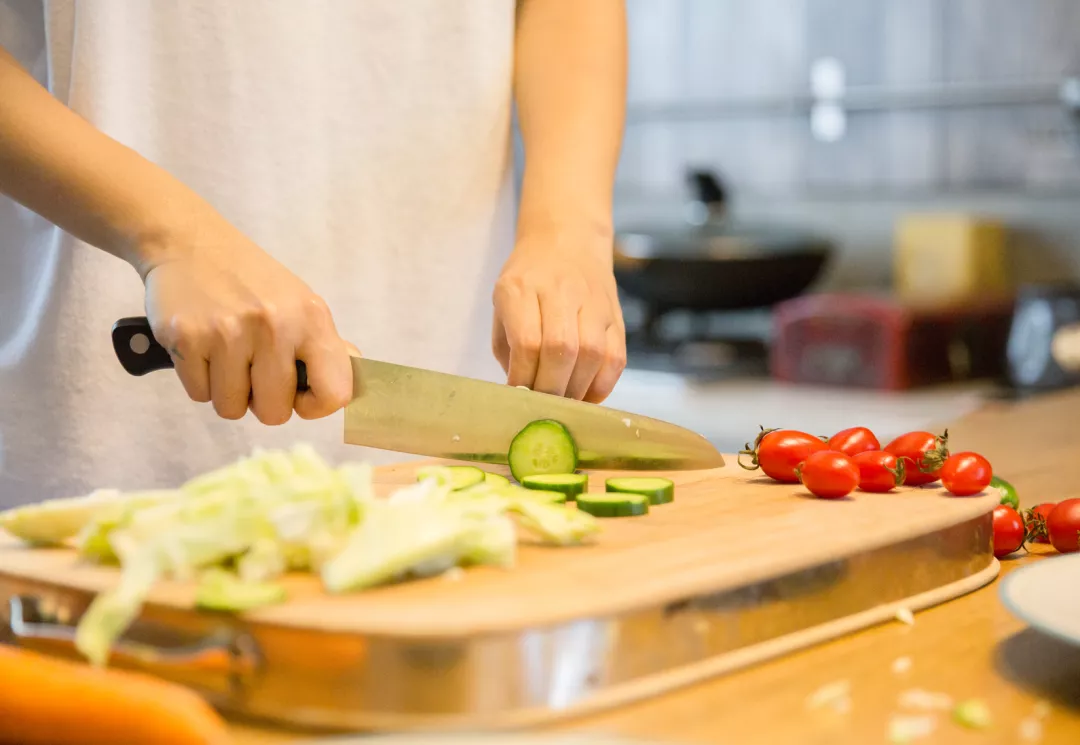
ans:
x=422 y=412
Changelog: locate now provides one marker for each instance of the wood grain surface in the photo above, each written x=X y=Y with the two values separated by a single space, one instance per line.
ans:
x=727 y=528
x=968 y=647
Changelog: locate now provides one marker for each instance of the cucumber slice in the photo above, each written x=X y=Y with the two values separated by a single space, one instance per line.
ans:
x=613 y=504
x=540 y=495
x=570 y=484
x=496 y=480
x=542 y=447
x=658 y=490
x=456 y=477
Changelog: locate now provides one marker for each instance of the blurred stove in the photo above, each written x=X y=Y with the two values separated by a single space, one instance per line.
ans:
x=703 y=346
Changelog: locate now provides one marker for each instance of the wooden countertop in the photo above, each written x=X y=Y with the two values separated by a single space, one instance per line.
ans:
x=968 y=647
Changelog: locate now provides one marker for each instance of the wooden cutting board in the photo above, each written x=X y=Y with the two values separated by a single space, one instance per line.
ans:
x=734 y=550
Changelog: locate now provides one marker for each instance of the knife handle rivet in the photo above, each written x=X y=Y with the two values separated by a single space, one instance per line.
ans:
x=140 y=343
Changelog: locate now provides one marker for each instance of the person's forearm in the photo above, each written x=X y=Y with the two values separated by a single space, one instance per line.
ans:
x=570 y=85
x=58 y=165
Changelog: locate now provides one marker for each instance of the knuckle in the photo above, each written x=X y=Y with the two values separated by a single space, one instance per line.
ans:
x=316 y=310
x=271 y=320
x=528 y=344
x=592 y=351
x=177 y=331
x=617 y=361
x=227 y=330
x=505 y=292
x=559 y=346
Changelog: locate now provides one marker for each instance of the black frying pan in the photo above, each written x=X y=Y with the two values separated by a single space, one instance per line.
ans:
x=718 y=265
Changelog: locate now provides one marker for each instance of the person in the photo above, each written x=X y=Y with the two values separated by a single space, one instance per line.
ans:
x=292 y=181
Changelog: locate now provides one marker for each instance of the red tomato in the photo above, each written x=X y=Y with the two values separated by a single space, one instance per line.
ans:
x=780 y=451
x=965 y=474
x=1008 y=530
x=923 y=455
x=1063 y=525
x=1036 y=521
x=829 y=474
x=853 y=441
x=879 y=471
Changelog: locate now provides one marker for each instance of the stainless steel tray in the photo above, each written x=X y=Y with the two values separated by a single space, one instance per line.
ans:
x=348 y=682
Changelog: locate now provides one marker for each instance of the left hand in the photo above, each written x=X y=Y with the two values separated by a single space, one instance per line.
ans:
x=558 y=324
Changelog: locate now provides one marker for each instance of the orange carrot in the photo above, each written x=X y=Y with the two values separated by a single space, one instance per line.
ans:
x=48 y=701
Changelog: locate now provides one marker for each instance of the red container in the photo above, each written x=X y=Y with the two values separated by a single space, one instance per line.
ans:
x=879 y=342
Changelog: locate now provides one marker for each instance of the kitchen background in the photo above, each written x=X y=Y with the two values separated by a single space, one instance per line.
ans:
x=845 y=121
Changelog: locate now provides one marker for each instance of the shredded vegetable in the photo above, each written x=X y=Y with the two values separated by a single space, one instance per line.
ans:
x=237 y=529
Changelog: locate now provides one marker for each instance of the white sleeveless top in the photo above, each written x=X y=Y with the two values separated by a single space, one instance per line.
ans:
x=364 y=144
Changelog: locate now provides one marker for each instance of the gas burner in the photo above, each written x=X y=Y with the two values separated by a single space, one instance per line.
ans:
x=703 y=346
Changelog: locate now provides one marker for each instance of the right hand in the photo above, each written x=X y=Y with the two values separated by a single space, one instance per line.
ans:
x=235 y=321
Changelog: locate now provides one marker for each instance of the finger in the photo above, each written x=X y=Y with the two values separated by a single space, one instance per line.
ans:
x=612 y=368
x=329 y=366
x=194 y=374
x=230 y=369
x=558 y=345
x=186 y=349
x=273 y=380
x=520 y=315
x=592 y=348
x=330 y=379
x=500 y=347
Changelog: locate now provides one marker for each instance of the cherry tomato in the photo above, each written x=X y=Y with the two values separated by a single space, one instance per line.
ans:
x=780 y=451
x=1063 y=525
x=923 y=454
x=1035 y=519
x=879 y=471
x=853 y=441
x=1008 y=530
x=965 y=474
x=829 y=474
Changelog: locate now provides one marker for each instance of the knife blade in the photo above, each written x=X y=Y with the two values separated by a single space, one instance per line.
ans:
x=423 y=412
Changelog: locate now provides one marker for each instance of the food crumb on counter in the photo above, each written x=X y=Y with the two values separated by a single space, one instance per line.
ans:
x=905 y=728
x=901 y=665
x=1031 y=730
x=918 y=698
x=454 y=574
x=1041 y=709
x=972 y=713
x=456 y=438
x=836 y=695
x=904 y=615
x=626 y=421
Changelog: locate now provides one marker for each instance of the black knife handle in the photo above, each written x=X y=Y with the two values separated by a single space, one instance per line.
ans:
x=140 y=353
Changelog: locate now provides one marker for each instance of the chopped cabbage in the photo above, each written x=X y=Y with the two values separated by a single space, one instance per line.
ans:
x=238 y=528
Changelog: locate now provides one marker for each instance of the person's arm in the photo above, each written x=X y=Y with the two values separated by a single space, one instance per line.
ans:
x=570 y=85
x=558 y=327
x=234 y=319
x=56 y=164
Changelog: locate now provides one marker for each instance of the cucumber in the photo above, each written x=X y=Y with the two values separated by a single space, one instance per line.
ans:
x=542 y=447
x=495 y=480
x=658 y=490
x=613 y=504
x=570 y=484
x=457 y=477
x=541 y=495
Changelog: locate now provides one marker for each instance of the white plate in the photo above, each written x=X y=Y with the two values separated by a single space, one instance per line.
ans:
x=1046 y=595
